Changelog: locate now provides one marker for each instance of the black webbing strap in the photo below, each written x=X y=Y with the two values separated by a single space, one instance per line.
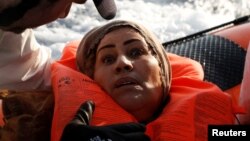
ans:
x=222 y=60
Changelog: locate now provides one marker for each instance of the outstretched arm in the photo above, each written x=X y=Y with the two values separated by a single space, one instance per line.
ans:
x=18 y=15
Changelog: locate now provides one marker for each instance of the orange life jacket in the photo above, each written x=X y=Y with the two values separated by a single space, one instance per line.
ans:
x=194 y=104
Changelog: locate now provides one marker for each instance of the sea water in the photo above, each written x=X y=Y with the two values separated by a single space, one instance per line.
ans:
x=168 y=19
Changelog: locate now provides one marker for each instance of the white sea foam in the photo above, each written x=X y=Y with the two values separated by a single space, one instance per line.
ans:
x=168 y=19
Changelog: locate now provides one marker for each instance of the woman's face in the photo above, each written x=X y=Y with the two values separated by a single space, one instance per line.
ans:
x=126 y=69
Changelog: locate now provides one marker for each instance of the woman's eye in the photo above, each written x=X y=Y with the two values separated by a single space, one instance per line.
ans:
x=108 y=60
x=136 y=52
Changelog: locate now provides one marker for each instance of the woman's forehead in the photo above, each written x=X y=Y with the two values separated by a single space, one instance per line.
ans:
x=123 y=29
x=122 y=35
x=123 y=32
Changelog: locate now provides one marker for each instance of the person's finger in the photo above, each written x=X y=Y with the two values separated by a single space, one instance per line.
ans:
x=75 y=132
x=106 y=8
x=84 y=113
x=128 y=127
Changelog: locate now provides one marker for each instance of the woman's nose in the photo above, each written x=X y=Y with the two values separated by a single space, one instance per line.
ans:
x=123 y=64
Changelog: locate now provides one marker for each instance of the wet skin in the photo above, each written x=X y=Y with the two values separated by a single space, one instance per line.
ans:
x=126 y=69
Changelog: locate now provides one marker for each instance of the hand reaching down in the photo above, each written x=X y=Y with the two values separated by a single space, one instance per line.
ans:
x=79 y=129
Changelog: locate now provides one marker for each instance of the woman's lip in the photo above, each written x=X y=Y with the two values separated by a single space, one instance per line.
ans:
x=124 y=81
